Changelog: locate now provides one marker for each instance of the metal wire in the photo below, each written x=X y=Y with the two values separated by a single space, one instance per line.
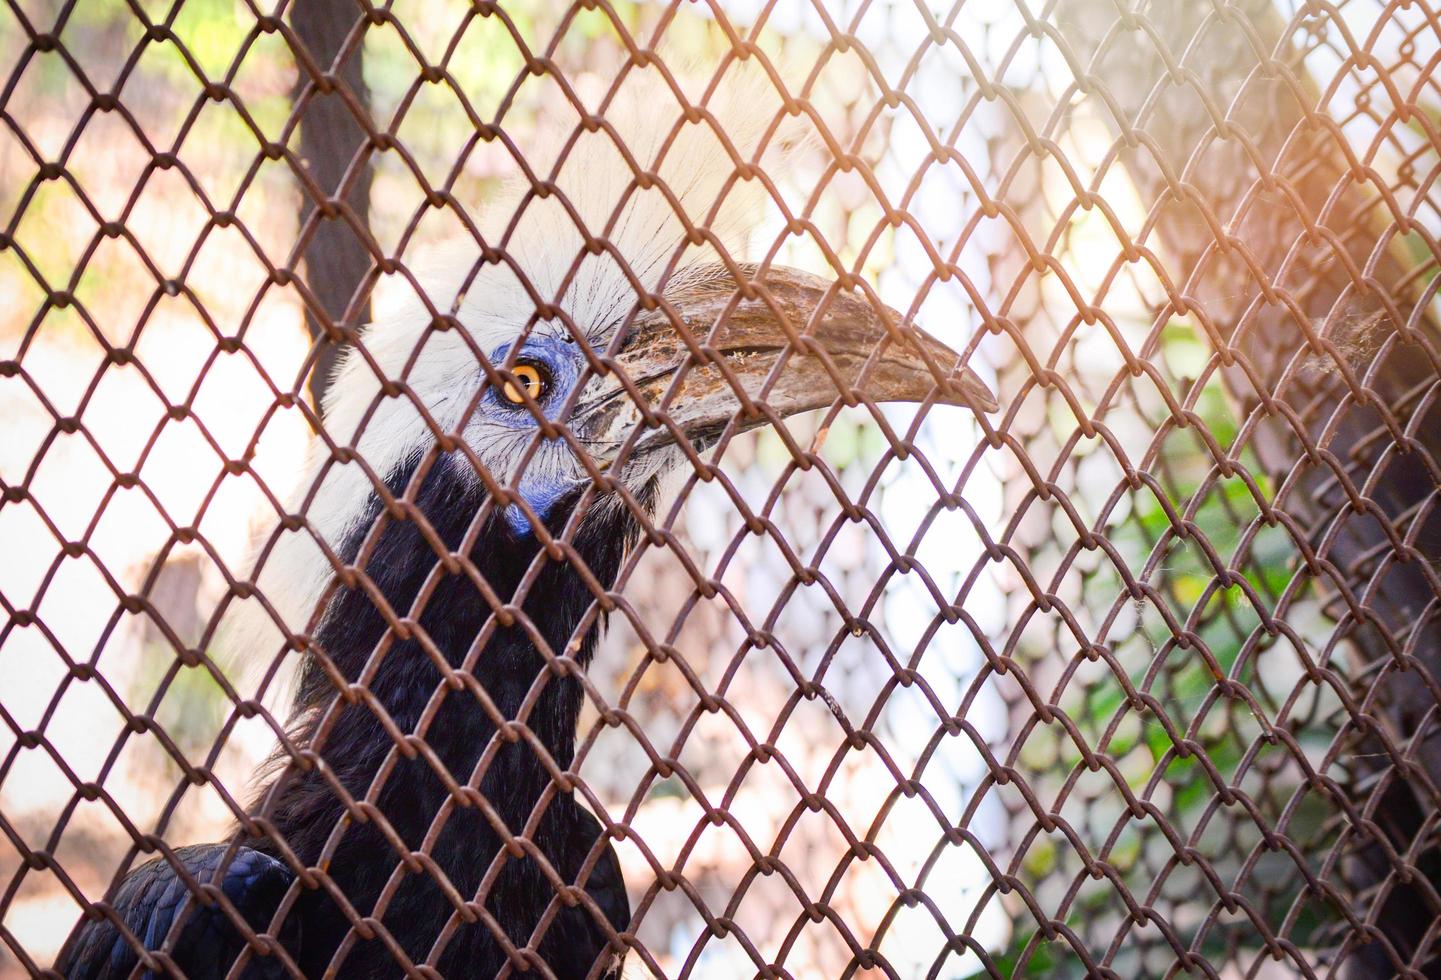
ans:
x=1191 y=726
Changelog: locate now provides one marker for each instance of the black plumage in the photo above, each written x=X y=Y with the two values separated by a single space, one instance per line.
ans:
x=154 y=894
x=305 y=811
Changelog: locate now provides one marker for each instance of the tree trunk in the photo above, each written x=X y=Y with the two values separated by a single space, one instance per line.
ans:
x=331 y=100
x=1322 y=311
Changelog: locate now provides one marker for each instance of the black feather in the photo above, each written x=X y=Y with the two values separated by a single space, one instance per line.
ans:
x=306 y=809
x=152 y=895
x=302 y=806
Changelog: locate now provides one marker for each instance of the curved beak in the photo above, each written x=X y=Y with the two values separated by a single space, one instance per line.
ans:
x=781 y=343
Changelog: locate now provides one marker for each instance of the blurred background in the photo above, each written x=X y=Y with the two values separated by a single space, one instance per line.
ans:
x=1076 y=600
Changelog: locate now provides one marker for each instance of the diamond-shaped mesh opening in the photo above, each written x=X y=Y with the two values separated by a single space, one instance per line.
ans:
x=476 y=498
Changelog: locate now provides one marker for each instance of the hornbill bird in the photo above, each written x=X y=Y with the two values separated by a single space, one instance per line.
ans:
x=506 y=404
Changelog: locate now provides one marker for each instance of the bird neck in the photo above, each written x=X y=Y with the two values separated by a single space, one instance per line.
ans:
x=505 y=676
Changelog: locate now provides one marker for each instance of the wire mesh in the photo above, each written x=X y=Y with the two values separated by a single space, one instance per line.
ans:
x=1135 y=676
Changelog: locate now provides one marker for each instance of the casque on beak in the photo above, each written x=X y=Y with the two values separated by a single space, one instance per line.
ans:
x=850 y=350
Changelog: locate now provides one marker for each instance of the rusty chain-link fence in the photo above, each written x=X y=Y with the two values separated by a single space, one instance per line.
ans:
x=442 y=532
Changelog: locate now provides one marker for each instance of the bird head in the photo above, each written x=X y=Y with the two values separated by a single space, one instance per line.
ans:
x=726 y=348
x=599 y=319
x=596 y=329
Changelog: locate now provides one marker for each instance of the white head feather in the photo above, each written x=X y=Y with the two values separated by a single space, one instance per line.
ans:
x=493 y=306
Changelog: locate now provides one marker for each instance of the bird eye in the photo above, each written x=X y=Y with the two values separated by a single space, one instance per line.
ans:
x=528 y=378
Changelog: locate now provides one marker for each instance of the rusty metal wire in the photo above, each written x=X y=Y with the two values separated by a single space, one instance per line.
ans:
x=1136 y=677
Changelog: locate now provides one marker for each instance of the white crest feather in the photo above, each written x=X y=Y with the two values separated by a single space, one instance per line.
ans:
x=493 y=305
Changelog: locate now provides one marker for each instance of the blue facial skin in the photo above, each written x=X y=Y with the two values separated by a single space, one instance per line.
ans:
x=562 y=361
